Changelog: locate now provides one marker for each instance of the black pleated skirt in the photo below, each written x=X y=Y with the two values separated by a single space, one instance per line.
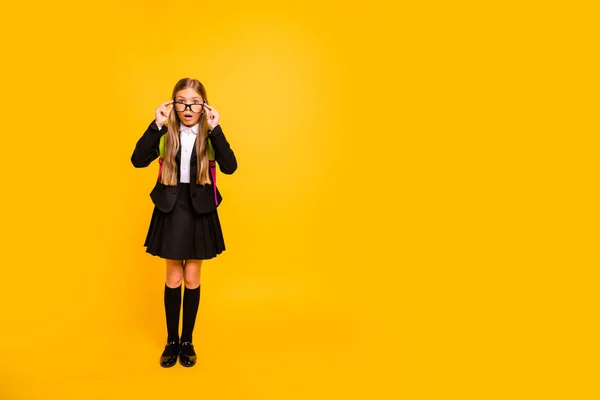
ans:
x=182 y=234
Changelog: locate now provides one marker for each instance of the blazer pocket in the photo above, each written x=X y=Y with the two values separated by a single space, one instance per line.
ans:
x=159 y=187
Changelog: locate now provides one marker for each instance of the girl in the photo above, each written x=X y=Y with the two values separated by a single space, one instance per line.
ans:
x=184 y=228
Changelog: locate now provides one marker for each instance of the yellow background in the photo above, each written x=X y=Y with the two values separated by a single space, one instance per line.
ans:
x=414 y=215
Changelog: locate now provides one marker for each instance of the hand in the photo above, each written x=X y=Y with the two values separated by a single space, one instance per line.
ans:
x=212 y=117
x=162 y=113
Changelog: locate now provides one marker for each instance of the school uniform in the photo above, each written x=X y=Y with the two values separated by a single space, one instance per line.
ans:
x=185 y=222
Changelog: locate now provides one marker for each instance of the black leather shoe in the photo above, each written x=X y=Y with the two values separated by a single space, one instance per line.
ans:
x=169 y=355
x=187 y=355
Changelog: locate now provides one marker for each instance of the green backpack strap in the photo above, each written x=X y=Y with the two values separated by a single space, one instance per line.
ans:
x=161 y=148
x=211 y=151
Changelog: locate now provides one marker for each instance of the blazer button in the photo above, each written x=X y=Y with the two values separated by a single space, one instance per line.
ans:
x=193 y=194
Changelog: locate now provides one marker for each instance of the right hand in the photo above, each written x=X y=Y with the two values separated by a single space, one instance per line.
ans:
x=162 y=112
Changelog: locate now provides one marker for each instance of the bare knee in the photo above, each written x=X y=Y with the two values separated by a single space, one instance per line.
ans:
x=174 y=280
x=174 y=276
x=191 y=273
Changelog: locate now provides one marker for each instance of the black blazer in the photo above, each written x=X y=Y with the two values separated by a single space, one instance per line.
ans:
x=202 y=196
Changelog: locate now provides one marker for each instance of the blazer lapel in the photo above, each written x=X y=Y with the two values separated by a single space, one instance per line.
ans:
x=178 y=156
x=193 y=156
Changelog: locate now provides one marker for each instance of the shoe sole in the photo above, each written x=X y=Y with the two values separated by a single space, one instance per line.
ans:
x=185 y=365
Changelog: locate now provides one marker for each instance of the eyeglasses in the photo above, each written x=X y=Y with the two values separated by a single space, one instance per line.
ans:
x=195 y=108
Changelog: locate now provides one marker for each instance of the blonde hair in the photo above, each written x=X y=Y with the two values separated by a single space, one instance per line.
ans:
x=169 y=170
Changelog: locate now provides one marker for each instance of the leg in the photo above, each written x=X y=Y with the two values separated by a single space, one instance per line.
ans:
x=191 y=273
x=191 y=298
x=174 y=273
x=191 y=302
x=173 y=298
x=172 y=310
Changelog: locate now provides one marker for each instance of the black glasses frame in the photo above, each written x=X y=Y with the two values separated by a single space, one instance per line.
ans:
x=189 y=106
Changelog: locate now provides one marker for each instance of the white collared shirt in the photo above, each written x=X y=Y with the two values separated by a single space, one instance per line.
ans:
x=187 y=140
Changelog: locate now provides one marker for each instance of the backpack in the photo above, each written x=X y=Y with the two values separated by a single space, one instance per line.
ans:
x=211 y=162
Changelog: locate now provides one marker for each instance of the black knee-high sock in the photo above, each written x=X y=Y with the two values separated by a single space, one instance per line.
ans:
x=191 y=302
x=172 y=310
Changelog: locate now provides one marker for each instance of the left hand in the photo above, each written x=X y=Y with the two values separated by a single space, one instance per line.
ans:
x=212 y=116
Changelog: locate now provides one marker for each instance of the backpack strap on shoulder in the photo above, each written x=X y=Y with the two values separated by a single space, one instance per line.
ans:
x=161 y=154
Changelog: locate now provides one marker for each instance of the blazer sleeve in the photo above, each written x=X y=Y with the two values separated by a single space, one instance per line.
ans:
x=146 y=150
x=224 y=156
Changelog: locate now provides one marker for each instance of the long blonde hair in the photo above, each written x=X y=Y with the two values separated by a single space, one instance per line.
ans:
x=169 y=170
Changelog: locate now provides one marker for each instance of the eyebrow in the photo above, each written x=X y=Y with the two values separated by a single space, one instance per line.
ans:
x=193 y=98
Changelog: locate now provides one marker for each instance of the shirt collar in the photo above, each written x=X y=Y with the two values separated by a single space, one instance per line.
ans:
x=193 y=129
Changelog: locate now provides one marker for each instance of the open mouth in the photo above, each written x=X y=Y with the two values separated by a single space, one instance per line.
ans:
x=188 y=117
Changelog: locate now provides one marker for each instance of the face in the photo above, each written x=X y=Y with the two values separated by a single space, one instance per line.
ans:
x=189 y=116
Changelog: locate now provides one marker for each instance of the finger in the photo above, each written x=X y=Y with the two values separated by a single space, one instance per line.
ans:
x=167 y=102
x=209 y=107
